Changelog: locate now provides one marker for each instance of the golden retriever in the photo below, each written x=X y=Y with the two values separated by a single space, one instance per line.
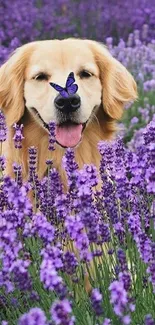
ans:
x=104 y=87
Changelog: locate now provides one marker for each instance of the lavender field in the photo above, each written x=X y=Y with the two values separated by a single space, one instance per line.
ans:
x=85 y=257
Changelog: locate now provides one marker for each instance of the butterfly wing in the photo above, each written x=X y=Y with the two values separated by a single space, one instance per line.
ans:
x=70 y=80
x=64 y=93
x=57 y=87
x=72 y=89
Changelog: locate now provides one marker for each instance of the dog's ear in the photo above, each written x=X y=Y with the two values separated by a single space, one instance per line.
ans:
x=119 y=87
x=12 y=84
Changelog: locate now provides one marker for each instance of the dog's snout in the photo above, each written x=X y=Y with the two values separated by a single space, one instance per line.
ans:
x=69 y=104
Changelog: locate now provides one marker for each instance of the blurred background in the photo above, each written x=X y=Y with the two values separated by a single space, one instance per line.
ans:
x=127 y=27
x=28 y=20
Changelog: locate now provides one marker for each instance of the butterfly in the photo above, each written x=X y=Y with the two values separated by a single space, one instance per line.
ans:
x=70 y=87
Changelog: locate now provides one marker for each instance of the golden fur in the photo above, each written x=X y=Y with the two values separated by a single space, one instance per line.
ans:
x=110 y=88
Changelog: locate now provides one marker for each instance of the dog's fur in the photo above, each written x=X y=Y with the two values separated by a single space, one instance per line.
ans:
x=103 y=96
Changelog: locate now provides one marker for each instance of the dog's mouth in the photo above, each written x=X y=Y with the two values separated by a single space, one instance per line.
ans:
x=68 y=134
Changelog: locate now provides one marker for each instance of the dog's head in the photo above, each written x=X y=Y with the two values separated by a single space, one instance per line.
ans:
x=102 y=81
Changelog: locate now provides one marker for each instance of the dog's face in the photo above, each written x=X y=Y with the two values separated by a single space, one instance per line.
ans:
x=52 y=62
x=102 y=81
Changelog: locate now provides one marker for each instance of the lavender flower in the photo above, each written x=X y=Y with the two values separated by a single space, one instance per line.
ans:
x=32 y=163
x=104 y=232
x=107 y=321
x=88 y=175
x=43 y=229
x=2 y=163
x=18 y=173
x=118 y=297
x=96 y=300
x=74 y=228
x=3 y=128
x=61 y=313
x=18 y=197
x=18 y=136
x=9 y=250
x=48 y=273
x=51 y=127
x=70 y=167
x=20 y=275
x=120 y=300
x=89 y=214
x=53 y=255
x=149 y=320
x=122 y=259
x=34 y=317
x=70 y=263
x=151 y=268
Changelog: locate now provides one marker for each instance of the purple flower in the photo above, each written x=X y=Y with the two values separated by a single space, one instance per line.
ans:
x=119 y=297
x=18 y=173
x=48 y=271
x=125 y=278
x=70 y=167
x=34 y=296
x=61 y=313
x=149 y=320
x=33 y=178
x=3 y=128
x=144 y=246
x=122 y=259
x=151 y=268
x=126 y=320
x=107 y=321
x=120 y=301
x=134 y=120
x=74 y=228
x=61 y=206
x=53 y=255
x=82 y=244
x=32 y=159
x=106 y=150
x=2 y=163
x=149 y=141
x=52 y=140
x=96 y=300
x=20 y=274
x=88 y=214
x=43 y=229
x=18 y=197
x=104 y=232
x=10 y=247
x=70 y=262
x=34 y=317
x=18 y=136
x=88 y=175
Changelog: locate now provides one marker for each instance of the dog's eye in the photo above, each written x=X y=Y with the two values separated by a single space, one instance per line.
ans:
x=41 y=76
x=85 y=74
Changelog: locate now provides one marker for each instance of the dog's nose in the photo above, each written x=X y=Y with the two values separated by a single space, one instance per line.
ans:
x=69 y=104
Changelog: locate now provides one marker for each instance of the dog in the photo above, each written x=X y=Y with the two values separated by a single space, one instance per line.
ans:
x=90 y=115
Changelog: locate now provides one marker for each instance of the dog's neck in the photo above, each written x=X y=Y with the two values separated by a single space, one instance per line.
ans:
x=35 y=135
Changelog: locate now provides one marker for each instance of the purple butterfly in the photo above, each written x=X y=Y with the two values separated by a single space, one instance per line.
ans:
x=70 y=87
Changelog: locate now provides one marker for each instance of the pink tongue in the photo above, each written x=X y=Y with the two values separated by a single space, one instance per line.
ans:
x=68 y=135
